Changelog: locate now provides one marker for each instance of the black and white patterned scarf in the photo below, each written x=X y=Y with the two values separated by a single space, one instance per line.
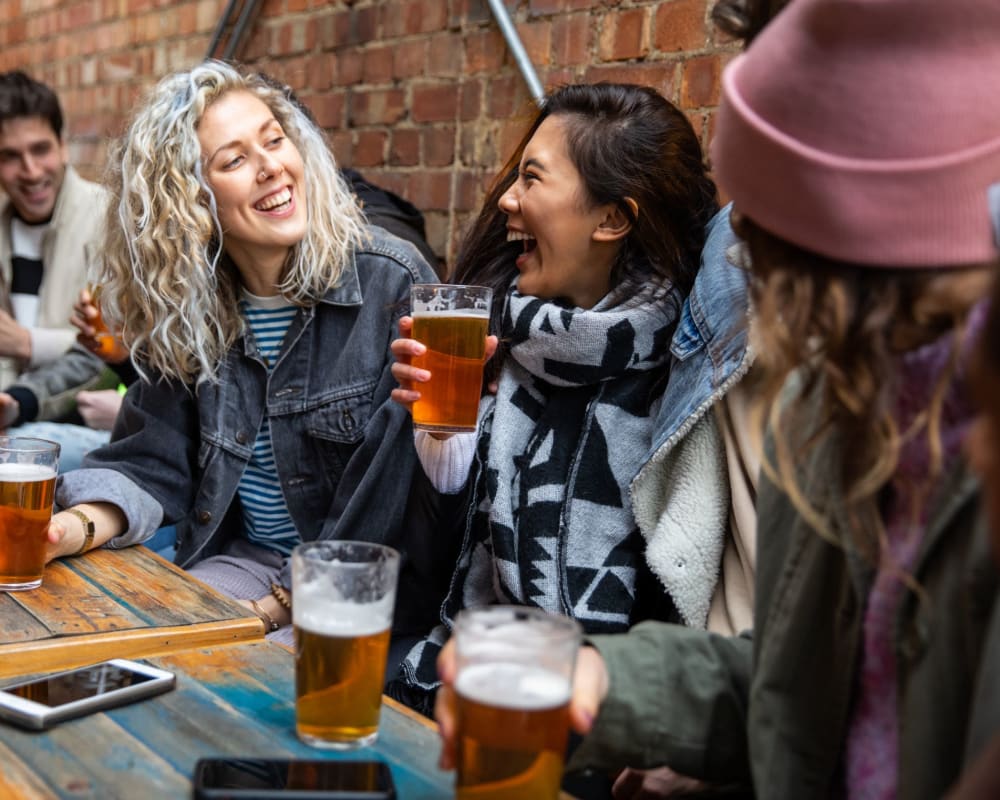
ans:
x=550 y=522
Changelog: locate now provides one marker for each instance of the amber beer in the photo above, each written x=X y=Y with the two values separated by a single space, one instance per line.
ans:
x=513 y=721
x=342 y=600
x=339 y=672
x=26 y=493
x=451 y=321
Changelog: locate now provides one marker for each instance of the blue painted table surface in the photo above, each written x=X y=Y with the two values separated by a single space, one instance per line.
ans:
x=230 y=700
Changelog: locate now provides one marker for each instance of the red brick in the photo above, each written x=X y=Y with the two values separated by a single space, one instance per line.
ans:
x=469 y=100
x=328 y=108
x=409 y=59
x=469 y=11
x=378 y=107
x=536 y=37
x=444 y=56
x=340 y=144
x=369 y=148
x=571 y=39
x=469 y=189
x=502 y=95
x=319 y=71
x=700 y=82
x=661 y=75
x=405 y=148
x=435 y=103
x=623 y=35
x=680 y=25
x=296 y=6
x=439 y=146
x=350 y=67
x=377 y=65
x=430 y=189
x=484 y=52
x=555 y=6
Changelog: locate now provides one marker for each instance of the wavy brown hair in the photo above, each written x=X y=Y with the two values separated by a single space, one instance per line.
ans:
x=838 y=331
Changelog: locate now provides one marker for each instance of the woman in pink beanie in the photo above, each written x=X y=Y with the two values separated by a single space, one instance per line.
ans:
x=860 y=141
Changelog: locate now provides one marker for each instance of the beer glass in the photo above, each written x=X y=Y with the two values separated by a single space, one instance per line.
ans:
x=28 y=470
x=513 y=684
x=342 y=600
x=452 y=322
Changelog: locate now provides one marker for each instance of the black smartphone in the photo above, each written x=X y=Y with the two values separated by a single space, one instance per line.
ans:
x=41 y=702
x=291 y=779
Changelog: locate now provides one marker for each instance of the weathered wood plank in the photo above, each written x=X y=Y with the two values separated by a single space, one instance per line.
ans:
x=17 y=624
x=156 y=591
x=67 y=604
x=17 y=779
x=51 y=655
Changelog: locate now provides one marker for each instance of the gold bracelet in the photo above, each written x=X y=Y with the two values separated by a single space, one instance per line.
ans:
x=88 y=530
x=282 y=596
x=269 y=624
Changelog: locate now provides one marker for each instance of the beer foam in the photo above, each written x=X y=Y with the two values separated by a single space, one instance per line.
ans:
x=524 y=687
x=342 y=619
x=25 y=473
x=462 y=313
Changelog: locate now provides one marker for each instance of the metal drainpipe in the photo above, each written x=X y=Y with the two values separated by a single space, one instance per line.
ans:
x=509 y=32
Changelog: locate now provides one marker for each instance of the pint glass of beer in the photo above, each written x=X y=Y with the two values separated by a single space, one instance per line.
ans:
x=28 y=470
x=342 y=599
x=452 y=322
x=515 y=671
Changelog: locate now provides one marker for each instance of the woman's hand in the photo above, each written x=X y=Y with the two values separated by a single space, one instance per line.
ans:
x=10 y=409
x=99 y=409
x=94 y=333
x=66 y=534
x=590 y=687
x=407 y=376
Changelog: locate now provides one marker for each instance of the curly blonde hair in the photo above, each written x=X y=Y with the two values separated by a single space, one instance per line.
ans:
x=165 y=277
x=841 y=328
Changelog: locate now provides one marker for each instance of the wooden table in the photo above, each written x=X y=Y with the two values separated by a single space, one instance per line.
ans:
x=234 y=700
x=114 y=604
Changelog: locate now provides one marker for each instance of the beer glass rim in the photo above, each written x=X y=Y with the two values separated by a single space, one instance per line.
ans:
x=28 y=444
x=451 y=286
x=562 y=627
x=306 y=549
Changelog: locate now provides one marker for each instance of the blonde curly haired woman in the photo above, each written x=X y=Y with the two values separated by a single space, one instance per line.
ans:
x=259 y=308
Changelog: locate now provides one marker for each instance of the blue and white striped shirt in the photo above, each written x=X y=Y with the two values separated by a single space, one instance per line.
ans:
x=265 y=515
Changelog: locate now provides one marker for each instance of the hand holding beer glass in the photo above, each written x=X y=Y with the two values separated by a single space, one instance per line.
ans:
x=451 y=322
x=343 y=596
x=99 y=339
x=28 y=469
x=514 y=670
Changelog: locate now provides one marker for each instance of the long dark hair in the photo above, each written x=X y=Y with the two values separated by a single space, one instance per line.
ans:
x=626 y=141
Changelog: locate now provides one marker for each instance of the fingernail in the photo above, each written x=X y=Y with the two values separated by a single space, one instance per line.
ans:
x=423 y=375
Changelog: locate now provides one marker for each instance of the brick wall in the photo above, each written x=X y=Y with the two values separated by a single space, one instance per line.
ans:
x=420 y=95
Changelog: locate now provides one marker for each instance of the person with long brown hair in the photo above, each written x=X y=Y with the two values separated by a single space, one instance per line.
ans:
x=591 y=239
x=860 y=142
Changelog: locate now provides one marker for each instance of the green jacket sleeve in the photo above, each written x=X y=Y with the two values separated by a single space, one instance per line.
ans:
x=677 y=697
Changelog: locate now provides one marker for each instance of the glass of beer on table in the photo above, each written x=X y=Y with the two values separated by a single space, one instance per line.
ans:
x=513 y=685
x=28 y=470
x=343 y=594
x=451 y=321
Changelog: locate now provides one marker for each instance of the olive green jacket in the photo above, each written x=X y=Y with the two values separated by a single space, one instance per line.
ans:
x=774 y=710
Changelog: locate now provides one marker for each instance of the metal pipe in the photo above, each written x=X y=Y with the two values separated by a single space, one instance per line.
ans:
x=246 y=14
x=509 y=32
x=219 y=28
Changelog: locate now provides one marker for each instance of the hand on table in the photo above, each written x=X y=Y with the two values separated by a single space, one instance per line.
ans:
x=590 y=687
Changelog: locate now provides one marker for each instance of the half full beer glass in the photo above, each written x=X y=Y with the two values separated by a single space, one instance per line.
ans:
x=28 y=470
x=515 y=671
x=342 y=599
x=452 y=322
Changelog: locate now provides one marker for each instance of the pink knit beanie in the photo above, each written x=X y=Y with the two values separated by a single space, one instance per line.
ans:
x=869 y=130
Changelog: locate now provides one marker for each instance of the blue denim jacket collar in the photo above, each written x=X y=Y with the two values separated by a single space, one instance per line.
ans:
x=710 y=346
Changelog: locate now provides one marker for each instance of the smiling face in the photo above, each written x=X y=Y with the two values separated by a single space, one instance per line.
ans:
x=569 y=247
x=32 y=166
x=256 y=174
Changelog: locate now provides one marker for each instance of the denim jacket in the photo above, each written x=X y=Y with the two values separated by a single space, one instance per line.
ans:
x=343 y=451
x=680 y=495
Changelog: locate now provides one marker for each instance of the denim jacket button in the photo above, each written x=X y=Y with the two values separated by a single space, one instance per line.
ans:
x=348 y=420
x=241 y=437
x=204 y=517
